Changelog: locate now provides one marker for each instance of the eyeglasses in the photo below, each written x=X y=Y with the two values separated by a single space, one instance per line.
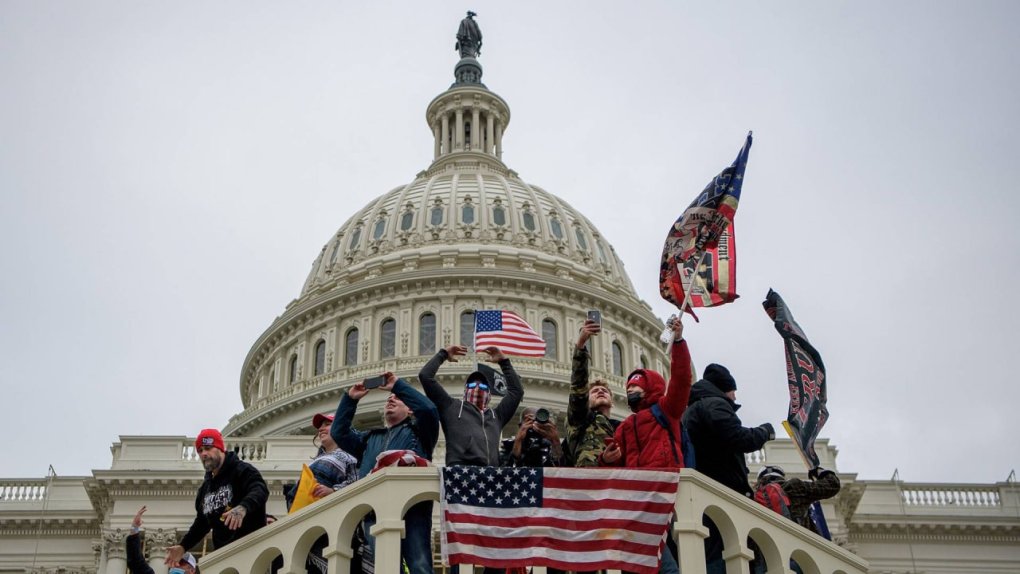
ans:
x=479 y=384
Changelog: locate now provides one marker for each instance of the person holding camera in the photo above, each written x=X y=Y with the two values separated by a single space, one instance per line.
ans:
x=537 y=442
x=411 y=422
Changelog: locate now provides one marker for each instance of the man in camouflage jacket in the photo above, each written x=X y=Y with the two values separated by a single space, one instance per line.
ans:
x=588 y=408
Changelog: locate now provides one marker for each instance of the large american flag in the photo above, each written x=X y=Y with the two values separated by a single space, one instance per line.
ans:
x=506 y=330
x=568 y=518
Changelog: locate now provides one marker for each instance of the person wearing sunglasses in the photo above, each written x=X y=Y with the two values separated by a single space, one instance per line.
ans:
x=471 y=428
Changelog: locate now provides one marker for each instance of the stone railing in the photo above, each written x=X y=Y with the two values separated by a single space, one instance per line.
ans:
x=21 y=490
x=951 y=495
x=391 y=492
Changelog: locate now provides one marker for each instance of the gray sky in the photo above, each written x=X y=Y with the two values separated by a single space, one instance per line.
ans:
x=169 y=171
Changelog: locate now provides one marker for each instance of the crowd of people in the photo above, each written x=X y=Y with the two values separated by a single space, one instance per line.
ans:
x=673 y=424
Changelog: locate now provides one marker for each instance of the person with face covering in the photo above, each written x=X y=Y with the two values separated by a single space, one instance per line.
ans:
x=650 y=437
x=471 y=428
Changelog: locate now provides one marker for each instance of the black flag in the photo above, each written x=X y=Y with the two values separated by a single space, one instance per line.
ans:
x=497 y=382
x=805 y=375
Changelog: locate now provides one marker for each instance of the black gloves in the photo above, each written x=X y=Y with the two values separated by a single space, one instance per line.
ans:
x=767 y=427
x=818 y=472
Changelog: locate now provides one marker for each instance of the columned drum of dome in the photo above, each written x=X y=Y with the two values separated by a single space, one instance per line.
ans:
x=467 y=233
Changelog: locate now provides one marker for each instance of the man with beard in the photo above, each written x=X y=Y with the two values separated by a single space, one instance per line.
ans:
x=231 y=501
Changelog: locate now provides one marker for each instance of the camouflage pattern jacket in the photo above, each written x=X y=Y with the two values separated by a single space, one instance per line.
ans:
x=586 y=429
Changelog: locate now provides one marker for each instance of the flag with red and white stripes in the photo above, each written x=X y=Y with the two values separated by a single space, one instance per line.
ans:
x=578 y=519
x=507 y=331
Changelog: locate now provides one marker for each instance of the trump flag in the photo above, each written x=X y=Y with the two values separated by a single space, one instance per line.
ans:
x=805 y=376
x=700 y=254
x=568 y=518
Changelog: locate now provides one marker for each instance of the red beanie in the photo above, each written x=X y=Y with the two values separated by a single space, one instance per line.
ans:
x=210 y=437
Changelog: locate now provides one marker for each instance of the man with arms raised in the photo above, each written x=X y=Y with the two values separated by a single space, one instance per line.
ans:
x=411 y=423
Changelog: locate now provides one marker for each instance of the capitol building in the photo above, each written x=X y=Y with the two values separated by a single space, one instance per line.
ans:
x=402 y=278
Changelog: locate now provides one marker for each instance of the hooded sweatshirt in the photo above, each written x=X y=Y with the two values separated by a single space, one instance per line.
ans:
x=472 y=434
x=236 y=484
x=720 y=440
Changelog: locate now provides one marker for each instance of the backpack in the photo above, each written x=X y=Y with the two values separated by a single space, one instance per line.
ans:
x=772 y=496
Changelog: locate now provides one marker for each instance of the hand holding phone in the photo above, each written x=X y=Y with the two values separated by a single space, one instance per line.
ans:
x=375 y=382
x=595 y=316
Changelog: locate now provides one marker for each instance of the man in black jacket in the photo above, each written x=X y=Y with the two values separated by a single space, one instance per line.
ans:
x=231 y=502
x=720 y=441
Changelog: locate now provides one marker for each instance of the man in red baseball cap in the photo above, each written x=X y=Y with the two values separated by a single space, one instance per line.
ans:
x=231 y=501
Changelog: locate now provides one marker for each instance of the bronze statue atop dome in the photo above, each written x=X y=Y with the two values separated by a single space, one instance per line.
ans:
x=469 y=37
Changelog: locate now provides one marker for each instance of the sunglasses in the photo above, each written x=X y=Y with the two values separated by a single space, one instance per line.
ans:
x=479 y=384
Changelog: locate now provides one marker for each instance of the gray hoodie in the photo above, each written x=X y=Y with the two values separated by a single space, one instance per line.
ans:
x=472 y=436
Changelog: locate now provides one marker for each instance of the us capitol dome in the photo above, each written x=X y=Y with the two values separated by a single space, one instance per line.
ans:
x=403 y=276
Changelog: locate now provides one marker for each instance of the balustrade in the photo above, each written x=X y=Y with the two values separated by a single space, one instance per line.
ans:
x=391 y=492
x=951 y=495
x=22 y=490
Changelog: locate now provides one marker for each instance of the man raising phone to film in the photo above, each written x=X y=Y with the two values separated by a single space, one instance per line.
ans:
x=411 y=422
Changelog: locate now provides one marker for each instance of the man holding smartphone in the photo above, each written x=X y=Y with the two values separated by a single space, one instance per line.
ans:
x=411 y=423
x=589 y=428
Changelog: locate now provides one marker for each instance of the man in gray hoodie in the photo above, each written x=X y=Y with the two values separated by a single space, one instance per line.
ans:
x=471 y=428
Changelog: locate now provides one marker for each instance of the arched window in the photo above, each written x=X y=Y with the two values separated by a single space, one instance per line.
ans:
x=467 y=214
x=293 y=369
x=380 y=228
x=498 y=215
x=351 y=347
x=556 y=228
x=549 y=334
x=272 y=381
x=581 y=242
x=427 y=334
x=467 y=329
x=617 y=359
x=529 y=220
x=388 y=338
x=336 y=248
x=643 y=361
x=355 y=238
x=320 y=357
x=406 y=220
x=437 y=216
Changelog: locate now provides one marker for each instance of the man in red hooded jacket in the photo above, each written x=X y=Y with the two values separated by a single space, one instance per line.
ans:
x=650 y=437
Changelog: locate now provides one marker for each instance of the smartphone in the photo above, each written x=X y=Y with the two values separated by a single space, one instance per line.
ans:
x=595 y=316
x=374 y=382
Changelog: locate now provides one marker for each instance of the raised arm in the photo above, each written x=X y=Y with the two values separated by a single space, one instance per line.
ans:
x=427 y=376
x=681 y=375
x=507 y=407
x=577 y=401
x=342 y=431
x=425 y=414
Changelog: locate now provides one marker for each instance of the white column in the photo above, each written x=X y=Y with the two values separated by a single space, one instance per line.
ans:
x=458 y=135
x=435 y=138
x=387 y=544
x=446 y=133
x=489 y=133
x=476 y=131
x=116 y=552
x=499 y=140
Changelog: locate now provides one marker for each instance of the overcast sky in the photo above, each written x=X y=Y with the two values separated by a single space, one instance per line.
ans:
x=170 y=170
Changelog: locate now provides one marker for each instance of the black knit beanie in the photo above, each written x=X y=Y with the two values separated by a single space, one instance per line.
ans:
x=720 y=376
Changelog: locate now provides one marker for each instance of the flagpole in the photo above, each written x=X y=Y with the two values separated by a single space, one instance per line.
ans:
x=690 y=287
x=789 y=431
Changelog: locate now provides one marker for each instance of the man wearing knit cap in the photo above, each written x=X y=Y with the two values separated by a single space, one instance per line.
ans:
x=231 y=501
x=720 y=441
